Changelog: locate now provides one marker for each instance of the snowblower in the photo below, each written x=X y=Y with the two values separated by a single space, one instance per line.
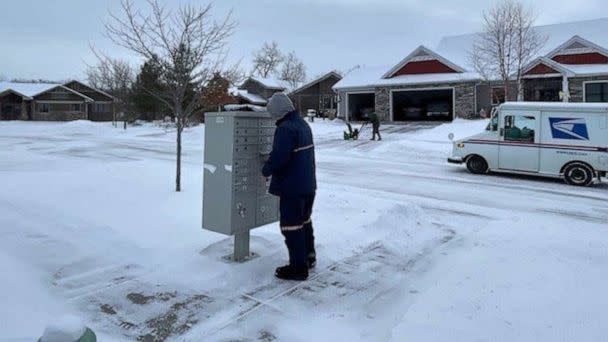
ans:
x=353 y=134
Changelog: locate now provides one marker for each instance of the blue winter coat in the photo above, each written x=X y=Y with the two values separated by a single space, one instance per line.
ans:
x=292 y=160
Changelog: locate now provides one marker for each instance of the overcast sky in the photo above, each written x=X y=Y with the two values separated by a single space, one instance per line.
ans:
x=50 y=39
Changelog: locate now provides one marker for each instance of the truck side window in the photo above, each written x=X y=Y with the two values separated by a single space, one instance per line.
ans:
x=519 y=128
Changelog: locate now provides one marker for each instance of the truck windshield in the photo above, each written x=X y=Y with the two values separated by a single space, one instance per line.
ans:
x=493 y=125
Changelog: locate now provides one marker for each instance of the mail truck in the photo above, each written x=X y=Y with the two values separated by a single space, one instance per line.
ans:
x=562 y=140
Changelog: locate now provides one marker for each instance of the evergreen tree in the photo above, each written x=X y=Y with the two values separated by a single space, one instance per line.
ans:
x=215 y=94
x=148 y=80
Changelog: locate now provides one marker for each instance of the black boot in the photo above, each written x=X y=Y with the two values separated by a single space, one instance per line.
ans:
x=310 y=245
x=290 y=272
x=298 y=264
x=312 y=260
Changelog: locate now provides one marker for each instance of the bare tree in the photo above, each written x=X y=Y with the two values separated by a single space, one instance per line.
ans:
x=293 y=70
x=484 y=66
x=234 y=73
x=266 y=61
x=188 y=45
x=507 y=44
x=115 y=77
x=528 y=41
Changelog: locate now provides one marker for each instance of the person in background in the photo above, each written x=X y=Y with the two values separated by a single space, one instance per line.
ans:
x=373 y=119
x=482 y=113
x=291 y=165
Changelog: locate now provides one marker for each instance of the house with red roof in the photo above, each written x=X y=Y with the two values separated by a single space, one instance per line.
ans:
x=440 y=84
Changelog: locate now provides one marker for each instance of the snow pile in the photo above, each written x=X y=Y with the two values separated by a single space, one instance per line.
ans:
x=66 y=329
x=27 y=303
x=404 y=228
x=460 y=127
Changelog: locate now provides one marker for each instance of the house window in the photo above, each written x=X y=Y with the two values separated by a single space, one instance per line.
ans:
x=543 y=89
x=498 y=95
x=43 y=107
x=519 y=128
x=75 y=107
x=596 y=92
x=102 y=108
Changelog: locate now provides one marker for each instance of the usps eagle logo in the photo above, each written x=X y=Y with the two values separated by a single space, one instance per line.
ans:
x=569 y=128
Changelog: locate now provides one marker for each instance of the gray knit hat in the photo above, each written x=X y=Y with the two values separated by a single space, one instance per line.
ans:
x=279 y=105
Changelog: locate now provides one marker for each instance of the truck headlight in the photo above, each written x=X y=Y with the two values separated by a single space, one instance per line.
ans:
x=460 y=145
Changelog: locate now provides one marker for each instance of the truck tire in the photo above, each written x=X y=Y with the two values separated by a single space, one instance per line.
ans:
x=477 y=165
x=578 y=174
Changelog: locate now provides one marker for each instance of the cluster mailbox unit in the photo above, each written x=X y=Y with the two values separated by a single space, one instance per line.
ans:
x=235 y=195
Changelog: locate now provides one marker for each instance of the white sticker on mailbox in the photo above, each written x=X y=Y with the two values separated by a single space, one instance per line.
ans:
x=209 y=167
x=219 y=120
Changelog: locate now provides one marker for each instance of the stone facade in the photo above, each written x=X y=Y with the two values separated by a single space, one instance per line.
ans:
x=383 y=104
x=484 y=94
x=576 y=86
x=464 y=105
x=464 y=98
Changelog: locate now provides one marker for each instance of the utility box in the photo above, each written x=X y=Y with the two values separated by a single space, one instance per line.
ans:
x=235 y=195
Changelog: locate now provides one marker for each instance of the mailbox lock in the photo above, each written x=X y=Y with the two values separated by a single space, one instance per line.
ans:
x=242 y=210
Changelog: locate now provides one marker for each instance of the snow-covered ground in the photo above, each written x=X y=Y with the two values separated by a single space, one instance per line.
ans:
x=409 y=247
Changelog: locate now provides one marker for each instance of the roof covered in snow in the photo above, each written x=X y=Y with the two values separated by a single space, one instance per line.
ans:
x=587 y=69
x=317 y=80
x=244 y=94
x=456 y=48
x=422 y=53
x=369 y=77
x=28 y=90
x=270 y=83
x=569 y=70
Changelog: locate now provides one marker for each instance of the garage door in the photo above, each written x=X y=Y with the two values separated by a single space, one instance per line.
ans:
x=360 y=105
x=423 y=105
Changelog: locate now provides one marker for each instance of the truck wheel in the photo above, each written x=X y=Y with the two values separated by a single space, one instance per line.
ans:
x=477 y=165
x=578 y=174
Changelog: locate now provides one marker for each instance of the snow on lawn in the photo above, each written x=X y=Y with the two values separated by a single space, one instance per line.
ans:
x=409 y=248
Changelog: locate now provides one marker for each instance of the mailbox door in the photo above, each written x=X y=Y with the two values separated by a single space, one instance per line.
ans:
x=267 y=210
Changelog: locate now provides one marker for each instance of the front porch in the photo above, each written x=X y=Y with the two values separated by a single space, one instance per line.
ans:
x=14 y=107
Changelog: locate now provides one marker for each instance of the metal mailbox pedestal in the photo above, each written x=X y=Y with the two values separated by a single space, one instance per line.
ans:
x=235 y=196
